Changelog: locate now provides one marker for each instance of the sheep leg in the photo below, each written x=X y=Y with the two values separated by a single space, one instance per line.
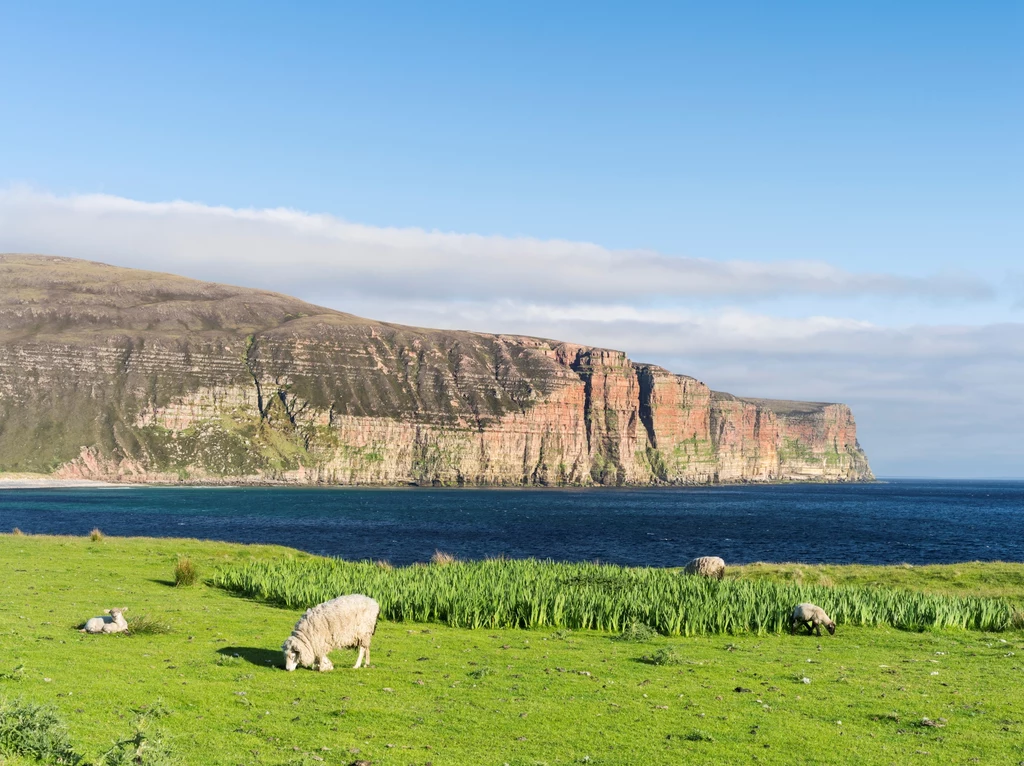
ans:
x=324 y=664
x=817 y=628
x=367 y=663
x=359 y=659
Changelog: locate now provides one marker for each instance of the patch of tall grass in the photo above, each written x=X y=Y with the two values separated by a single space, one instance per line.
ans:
x=536 y=594
x=185 y=572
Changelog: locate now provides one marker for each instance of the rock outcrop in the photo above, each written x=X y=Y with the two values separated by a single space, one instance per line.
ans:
x=133 y=376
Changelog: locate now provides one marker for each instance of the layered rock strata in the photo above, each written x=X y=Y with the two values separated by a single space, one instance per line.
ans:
x=133 y=376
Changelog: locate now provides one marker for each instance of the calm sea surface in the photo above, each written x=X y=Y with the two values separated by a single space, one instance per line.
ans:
x=911 y=521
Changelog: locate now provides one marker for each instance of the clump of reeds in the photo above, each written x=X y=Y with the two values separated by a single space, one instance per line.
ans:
x=383 y=564
x=185 y=572
x=544 y=594
x=17 y=532
x=96 y=536
x=440 y=558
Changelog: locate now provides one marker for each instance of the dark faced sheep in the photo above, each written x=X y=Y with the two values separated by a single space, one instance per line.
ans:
x=707 y=566
x=340 y=623
x=812 y=617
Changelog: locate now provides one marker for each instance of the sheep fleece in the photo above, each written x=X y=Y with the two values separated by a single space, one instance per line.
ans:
x=707 y=566
x=340 y=623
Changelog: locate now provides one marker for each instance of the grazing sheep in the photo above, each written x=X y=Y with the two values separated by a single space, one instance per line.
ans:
x=812 y=617
x=340 y=623
x=707 y=566
x=115 y=623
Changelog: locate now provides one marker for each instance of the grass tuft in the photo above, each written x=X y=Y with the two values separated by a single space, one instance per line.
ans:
x=96 y=536
x=17 y=673
x=697 y=735
x=141 y=625
x=17 y=532
x=29 y=730
x=637 y=632
x=664 y=657
x=440 y=558
x=186 y=572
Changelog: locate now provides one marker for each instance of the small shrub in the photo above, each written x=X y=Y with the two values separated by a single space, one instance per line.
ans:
x=185 y=572
x=141 y=625
x=480 y=673
x=35 y=731
x=17 y=532
x=139 y=749
x=664 y=657
x=442 y=559
x=96 y=536
x=1017 y=619
x=637 y=632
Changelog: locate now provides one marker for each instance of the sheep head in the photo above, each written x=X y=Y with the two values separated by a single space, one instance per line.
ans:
x=831 y=627
x=296 y=653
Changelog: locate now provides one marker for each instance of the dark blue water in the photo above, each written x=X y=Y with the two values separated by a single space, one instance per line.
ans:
x=919 y=522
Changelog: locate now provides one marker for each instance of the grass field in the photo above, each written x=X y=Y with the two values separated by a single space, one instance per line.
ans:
x=213 y=691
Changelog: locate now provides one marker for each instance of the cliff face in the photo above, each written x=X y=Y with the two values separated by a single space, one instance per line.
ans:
x=127 y=375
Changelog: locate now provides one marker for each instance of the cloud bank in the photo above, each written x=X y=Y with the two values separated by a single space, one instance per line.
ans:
x=930 y=399
x=300 y=252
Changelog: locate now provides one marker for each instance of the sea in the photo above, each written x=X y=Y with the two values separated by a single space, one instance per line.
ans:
x=888 y=522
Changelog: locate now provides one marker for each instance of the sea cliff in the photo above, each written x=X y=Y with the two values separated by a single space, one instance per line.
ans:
x=134 y=376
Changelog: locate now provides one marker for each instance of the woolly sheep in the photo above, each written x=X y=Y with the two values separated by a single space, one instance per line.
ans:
x=812 y=617
x=707 y=566
x=340 y=623
x=115 y=623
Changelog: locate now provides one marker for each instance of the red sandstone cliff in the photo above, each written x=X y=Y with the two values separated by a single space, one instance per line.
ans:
x=132 y=376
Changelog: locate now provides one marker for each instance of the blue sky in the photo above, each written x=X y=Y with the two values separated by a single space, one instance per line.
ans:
x=879 y=146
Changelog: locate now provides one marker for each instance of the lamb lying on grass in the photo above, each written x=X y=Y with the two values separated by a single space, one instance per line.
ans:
x=115 y=623
x=340 y=623
x=811 y=616
x=707 y=566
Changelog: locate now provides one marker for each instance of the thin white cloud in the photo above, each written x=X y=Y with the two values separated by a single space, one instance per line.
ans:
x=298 y=252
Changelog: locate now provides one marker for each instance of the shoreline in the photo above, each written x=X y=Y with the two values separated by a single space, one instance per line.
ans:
x=41 y=481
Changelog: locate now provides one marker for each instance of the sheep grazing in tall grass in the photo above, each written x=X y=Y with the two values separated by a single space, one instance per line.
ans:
x=114 y=623
x=340 y=623
x=812 y=617
x=706 y=566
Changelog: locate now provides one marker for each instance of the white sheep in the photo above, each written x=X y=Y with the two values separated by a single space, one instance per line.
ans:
x=707 y=566
x=115 y=623
x=812 y=617
x=340 y=623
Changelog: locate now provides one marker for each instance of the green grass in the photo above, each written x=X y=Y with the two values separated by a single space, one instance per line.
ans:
x=543 y=594
x=211 y=690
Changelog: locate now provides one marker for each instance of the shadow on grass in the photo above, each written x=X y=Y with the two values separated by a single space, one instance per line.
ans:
x=254 y=655
x=168 y=583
